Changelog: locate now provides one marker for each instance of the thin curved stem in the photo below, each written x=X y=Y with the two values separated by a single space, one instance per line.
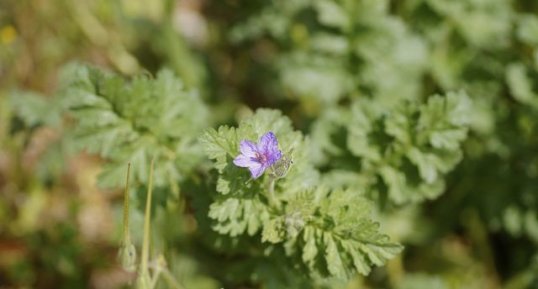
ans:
x=147 y=225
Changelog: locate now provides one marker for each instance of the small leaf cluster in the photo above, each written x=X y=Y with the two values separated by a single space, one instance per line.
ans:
x=135 y=121
x=332 y=233
x=403 y=152
x=326 y=233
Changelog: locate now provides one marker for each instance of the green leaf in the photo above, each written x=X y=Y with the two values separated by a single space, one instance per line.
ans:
x=273 y=231
x=236 y=216
x=134 y=122
x=520 y=85
x=404 y=150
x=35 y=109
x=527 y=29
x=335 y=265
x=340 y=226
x=331 y=14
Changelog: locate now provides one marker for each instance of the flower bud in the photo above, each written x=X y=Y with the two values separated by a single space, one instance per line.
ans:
x=127 y=257
x=281 y=167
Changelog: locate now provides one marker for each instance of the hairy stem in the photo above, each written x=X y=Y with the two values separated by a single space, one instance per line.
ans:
x=126 y=234
x=271 y=192
x=144 y=279
x=155 y=279
x=172 y=282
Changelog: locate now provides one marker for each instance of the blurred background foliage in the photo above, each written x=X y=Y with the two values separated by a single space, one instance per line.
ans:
x=337 y=68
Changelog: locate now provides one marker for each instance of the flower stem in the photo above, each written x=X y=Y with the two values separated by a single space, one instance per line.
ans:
x=126 y=235
x=172 y=282
x=155 y=279
x=144 y=280
x=127 y=251
x=271 y=193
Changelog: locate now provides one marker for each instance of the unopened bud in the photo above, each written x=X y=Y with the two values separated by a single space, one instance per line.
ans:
x=281 y=167
x=127 y=257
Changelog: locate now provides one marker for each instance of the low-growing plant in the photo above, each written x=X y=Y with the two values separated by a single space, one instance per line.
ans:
x=289 y=144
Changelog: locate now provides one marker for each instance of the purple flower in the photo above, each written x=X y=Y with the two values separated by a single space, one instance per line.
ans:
x=258 y=157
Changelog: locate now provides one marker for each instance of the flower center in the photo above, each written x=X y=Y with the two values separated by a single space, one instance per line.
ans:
x=261 y=158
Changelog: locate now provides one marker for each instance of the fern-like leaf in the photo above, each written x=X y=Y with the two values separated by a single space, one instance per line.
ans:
x=134 y=122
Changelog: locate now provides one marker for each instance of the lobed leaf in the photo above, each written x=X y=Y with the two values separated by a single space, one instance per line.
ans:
x=134 y=122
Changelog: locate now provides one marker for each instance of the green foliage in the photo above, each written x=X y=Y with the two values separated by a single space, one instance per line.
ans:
x=419 y=114
x=329 y=232
x=134 y=122
x=333 y=234
x=520 y=85
x=403 y=152
x=337 y=49
x=241 y=204
x=35 y=109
